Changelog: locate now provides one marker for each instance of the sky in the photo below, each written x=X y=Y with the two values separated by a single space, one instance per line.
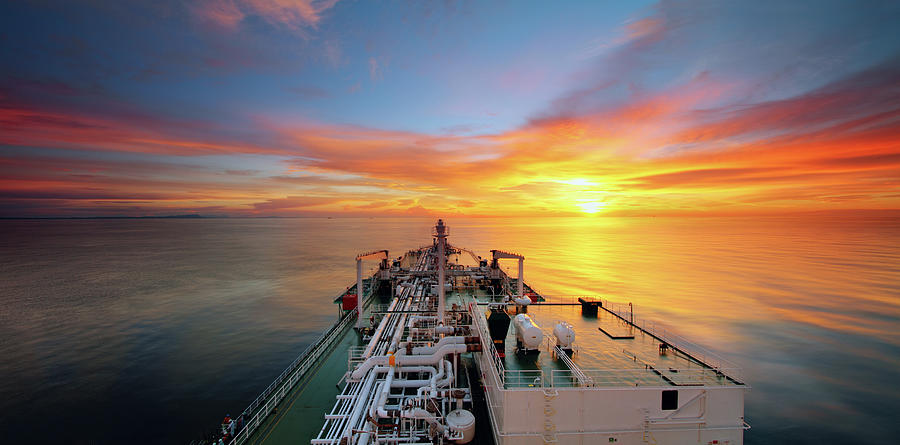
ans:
x=511 y=108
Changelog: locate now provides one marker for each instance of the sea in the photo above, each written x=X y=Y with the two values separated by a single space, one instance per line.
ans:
x=149 y=331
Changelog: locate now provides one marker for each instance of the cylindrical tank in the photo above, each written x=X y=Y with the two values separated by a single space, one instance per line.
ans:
x=527 y=332
x=565 y=334
x=498 y=325
x=462 y=421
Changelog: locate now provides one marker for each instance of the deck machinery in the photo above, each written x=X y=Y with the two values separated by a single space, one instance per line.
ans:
x=443 y=346
x=430 y=362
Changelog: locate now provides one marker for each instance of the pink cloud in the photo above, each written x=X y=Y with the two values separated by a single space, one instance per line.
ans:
x=294 y=15
x=374 y=70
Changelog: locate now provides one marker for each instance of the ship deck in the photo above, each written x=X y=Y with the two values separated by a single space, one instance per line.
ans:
x=608 y=350
x=611 y=351
x=298 y=417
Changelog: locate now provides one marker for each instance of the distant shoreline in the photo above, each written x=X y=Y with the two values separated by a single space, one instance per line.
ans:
x=120 y=217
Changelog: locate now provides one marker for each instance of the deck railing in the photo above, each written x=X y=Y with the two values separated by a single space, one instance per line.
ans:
x=487 y=346
x=712 y=370
x=259 y=409
x=257 y=412
x=664 y=333
x=657 y=329
x=613 y=378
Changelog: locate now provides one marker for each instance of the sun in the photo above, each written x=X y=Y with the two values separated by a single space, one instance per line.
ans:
x=591 y=206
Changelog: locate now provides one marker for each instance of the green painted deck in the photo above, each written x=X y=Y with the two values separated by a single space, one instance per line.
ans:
x=618 y=355
x=626 y=360
x=300 y=415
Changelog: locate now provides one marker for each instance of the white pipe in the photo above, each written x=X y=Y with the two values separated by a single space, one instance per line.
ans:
x=445 y=330
x=378 y=408
x=403 y=383
x=446 y=373
x=364 y=437
x=433 y=382
x=429 y=369
x=406 y=383
x=399 y=329
x=395 y=439
x=417 y=318
x=419 y=413
x=360 y=401
x=418 y=350
x=431 y=359
x=374 y=341
x=403 y=359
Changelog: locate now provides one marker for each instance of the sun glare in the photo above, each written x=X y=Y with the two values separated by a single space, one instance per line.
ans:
x=576 y=181
x=591 y=206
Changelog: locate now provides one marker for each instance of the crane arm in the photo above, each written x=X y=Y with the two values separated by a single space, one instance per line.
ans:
x=472 y=254
x=498 y=254
x=383 y=254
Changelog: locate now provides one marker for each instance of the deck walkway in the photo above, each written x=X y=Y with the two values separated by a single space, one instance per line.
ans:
x=298 y=418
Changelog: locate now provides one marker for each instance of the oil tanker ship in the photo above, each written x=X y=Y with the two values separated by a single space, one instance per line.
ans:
x=441 y=345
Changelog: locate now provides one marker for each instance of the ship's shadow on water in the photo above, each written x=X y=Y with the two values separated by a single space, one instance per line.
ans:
x=150 y=331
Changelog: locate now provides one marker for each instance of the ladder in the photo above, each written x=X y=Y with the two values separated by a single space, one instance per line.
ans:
x=646 y=435
x=549 y=426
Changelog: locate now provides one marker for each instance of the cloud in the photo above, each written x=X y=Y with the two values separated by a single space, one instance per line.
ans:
x=24 y=125
x=375 y=73
x=640 y=131
x=224 y=13
x=293 y=203
x=833 y=146
x=242 y=172
x=293 y=15
x=373 y=205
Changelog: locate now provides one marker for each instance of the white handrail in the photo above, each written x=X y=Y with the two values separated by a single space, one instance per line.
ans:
x=269 y=399
x=263 y=405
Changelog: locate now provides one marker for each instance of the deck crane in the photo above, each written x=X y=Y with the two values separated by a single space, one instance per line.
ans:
x=383 y=255
x=499 y=254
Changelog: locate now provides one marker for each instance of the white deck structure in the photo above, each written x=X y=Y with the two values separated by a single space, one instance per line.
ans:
x=431 y=359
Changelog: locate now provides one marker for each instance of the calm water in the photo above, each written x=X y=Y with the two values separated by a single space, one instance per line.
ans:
x=149 y=331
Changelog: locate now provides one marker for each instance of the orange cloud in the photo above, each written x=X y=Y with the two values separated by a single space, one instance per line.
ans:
x=26 y=126
x=659 y=152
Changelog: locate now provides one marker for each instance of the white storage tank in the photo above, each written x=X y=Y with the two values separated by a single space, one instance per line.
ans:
x=565 y=334
x=527 y=332
x=523 y=301
x=462 y=421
